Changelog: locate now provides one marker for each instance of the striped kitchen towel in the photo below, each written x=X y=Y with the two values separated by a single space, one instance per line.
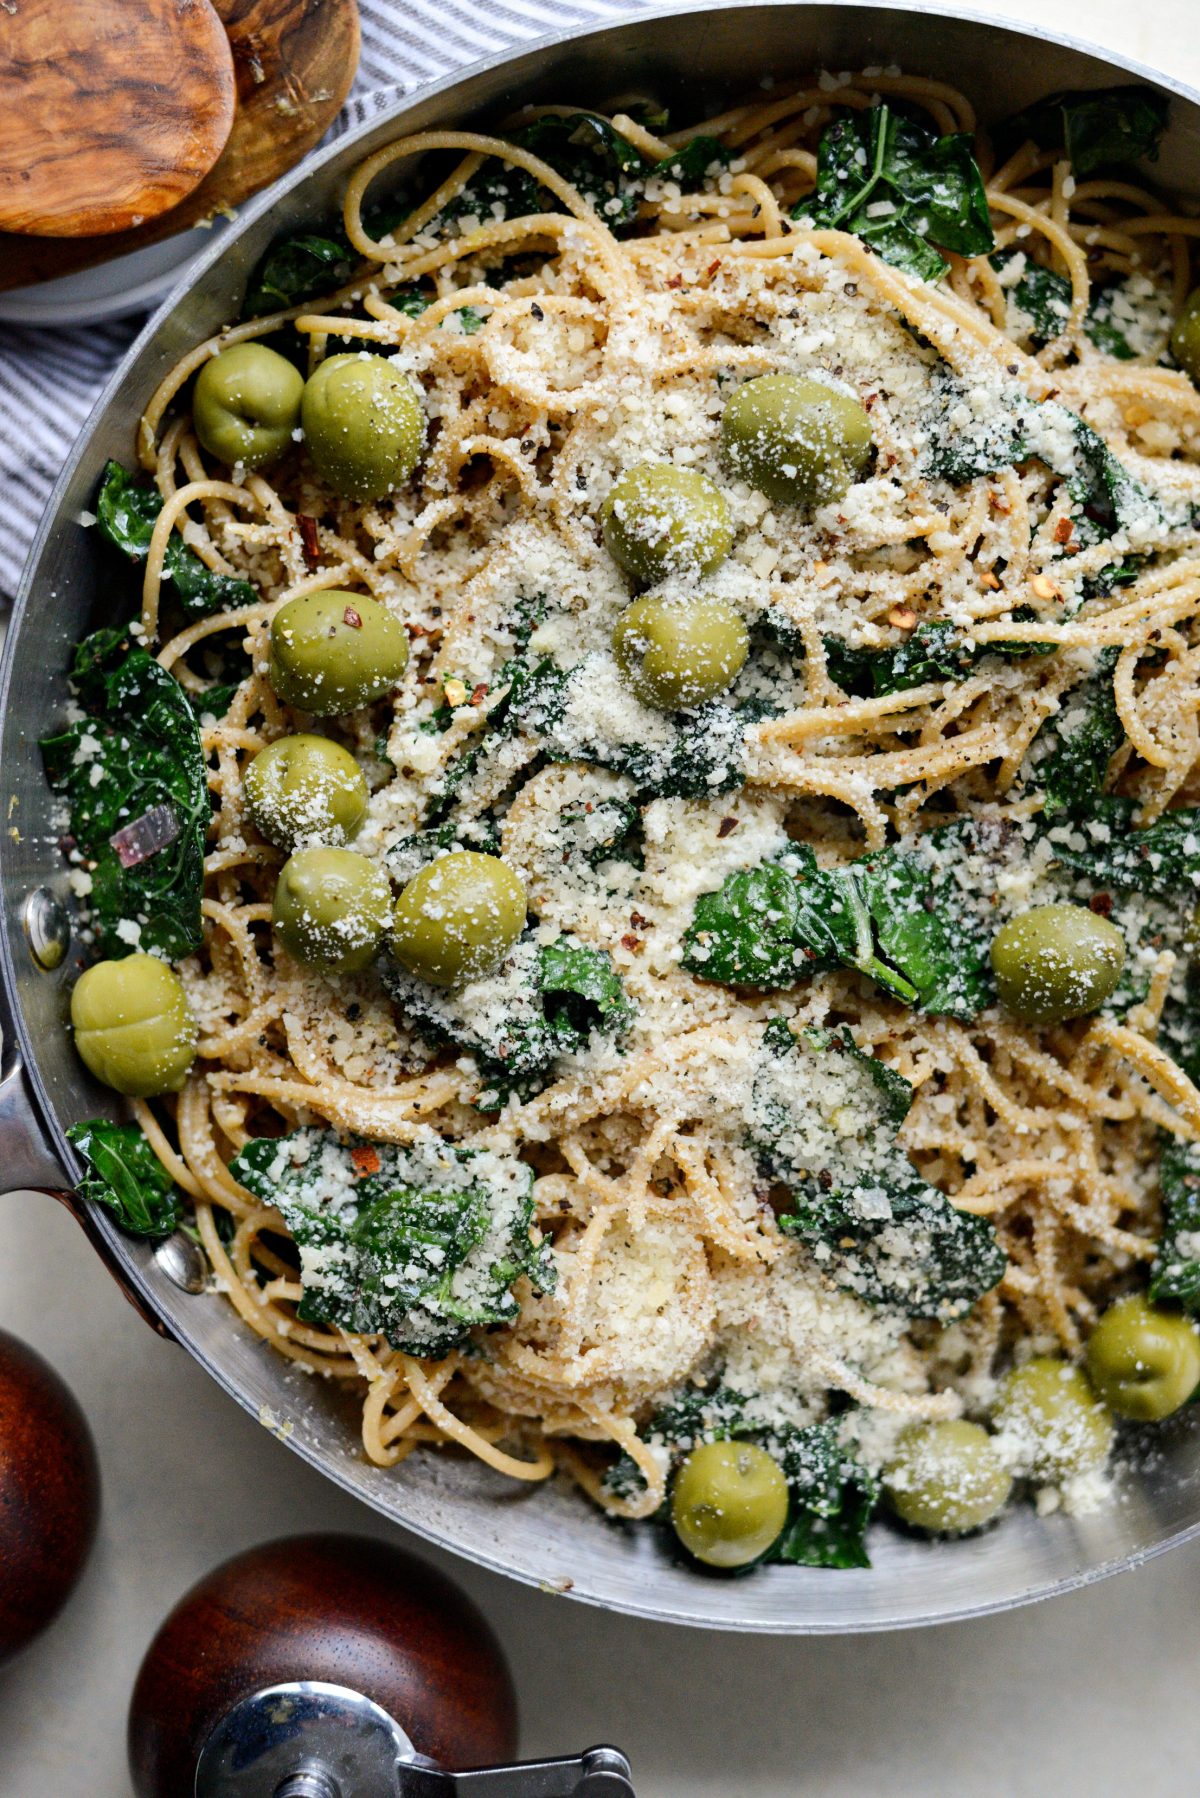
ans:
x=49 y=379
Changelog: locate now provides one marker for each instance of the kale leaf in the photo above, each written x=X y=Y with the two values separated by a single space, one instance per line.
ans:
x=124 y=1174
x=1100 y=128
x=700 y=754
x=1041 y=294
x=896 y=915
x=1175 y=1275
x=695 y=1415
x=958 y=452
x=833 y=1497
x=420 y=1242
x=546 y=1000
x=902 y=189
x=1100 y=841
x=138 y=747
x=126 y=510
x=1108 y=498
x=1043 y=297
x=936 y=651
x=588 y=151
x=605 y=830
x=745 y=933
x=296 y=268
x=824 y=1117
x=1071 y=758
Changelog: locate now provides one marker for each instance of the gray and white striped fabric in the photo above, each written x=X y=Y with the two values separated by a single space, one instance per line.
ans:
x=49 y=379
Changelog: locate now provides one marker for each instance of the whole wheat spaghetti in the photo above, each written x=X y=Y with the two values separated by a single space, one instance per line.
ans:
x=920 y=646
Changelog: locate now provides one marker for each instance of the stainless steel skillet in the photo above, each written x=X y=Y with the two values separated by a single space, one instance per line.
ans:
x=694 y=57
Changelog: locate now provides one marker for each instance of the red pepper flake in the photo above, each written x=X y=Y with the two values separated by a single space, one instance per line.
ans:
x=352 y=618
x=1101 y=904
x=366 y=1159
x=631 y=942
x=309 y=541
x=637 y=920
x=712 y=268
x=1064 y=530
x=478 y=694
x=869 y=400
x=675 y=281
x=726 y=827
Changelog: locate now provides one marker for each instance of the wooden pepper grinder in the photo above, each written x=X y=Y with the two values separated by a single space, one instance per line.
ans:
x=49 y=1494
x=336 y=1667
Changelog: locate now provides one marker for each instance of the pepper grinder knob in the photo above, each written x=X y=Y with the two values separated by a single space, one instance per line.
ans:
x=49 y=1494
x=346 y=1611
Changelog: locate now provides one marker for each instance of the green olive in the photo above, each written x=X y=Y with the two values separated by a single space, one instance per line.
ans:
x=458 y=918
x=1144 y=1363
x=332 y=652
x=679 y=653
x=133 y=1025
x=364 y=429
x=1056 y=961
x=1185 y=337
x=1052 y=1418
x=799 y=441
x=946 y=1477
x=729 y=1502
x=246 y=405
x=331 y=909
x=660 y=520
x=305 y=788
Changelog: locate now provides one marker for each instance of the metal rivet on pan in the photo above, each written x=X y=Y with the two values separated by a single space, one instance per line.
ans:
x=182 y=1261
x=47 y=928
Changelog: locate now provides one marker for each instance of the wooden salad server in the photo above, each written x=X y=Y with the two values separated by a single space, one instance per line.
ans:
x=277 y=74
x=337 y=1667
x=110 y=112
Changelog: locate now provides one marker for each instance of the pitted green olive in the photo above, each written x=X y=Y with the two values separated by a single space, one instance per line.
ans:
x=1144 y=1363
x=660 y=520
x=332 y=652
x=799 y=441
x=364 y=429
x=1056 y=961
x=133 y=1025
x=729 y=1503
x=458 y=918
x=1185 y=337
x=946 y=1477
x=681 y=653
x=1051 y=1417
x=246 y=405
x=305 y=789
x=331 y=909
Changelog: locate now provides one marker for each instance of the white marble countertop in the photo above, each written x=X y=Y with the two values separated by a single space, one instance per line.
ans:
x=1094 y=1693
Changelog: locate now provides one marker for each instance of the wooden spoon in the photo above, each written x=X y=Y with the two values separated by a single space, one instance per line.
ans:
x=294 y=61
x=110 y=112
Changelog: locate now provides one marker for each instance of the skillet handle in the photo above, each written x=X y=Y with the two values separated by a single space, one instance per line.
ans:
x=29 y=1163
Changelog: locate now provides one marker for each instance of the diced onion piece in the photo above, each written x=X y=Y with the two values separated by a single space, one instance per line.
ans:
x=137 y=842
